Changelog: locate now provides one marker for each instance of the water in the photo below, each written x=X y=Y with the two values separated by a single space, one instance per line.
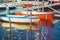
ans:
x=22 y=32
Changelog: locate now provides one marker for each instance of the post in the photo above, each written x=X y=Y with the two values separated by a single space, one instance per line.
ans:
x=31 y=25
x=7 y=10
x=43 y=6
x=44 y=27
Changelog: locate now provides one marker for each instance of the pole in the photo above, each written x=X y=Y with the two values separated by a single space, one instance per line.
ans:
x=7 y=10
x=37 y=34
x=43 y=27
x=30 y=22
x=51 y=2
x=27 y=30
x=31 y=25
x=43 y=6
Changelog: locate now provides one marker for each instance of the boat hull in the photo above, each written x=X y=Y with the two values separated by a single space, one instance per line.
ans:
x=19 y=20
x=45 y=16
x=42 y=15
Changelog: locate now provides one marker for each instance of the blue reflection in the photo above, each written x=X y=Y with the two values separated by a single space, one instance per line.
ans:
x=53 y=33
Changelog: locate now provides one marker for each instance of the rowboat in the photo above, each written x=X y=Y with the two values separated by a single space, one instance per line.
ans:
x=20 y=18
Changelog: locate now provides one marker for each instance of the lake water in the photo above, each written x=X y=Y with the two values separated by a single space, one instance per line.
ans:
x=22 y=32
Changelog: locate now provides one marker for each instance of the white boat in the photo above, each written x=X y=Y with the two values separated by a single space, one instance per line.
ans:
x=20 y=19
x=2 y=13
x=4 y=5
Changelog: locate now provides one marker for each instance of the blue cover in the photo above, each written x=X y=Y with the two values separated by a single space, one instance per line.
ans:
x=16 y=16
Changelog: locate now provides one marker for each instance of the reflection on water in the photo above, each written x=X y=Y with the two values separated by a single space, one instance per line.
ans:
x=20 y=32
x=19 y=26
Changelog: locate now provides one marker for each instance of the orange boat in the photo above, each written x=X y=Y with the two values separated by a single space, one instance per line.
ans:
x=42 y=15
x=45 y=17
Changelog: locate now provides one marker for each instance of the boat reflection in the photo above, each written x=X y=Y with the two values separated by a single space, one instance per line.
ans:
x=21 y=26
x=20 y=31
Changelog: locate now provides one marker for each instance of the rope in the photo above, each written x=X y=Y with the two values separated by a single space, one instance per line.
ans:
x=53 y=9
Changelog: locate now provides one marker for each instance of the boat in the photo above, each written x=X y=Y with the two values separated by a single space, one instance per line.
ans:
x=20 y=18
x=45 y=17
x=42 y=15
x=4 y=5
x=47 y=4
x=2 y=13
x=55 y=1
